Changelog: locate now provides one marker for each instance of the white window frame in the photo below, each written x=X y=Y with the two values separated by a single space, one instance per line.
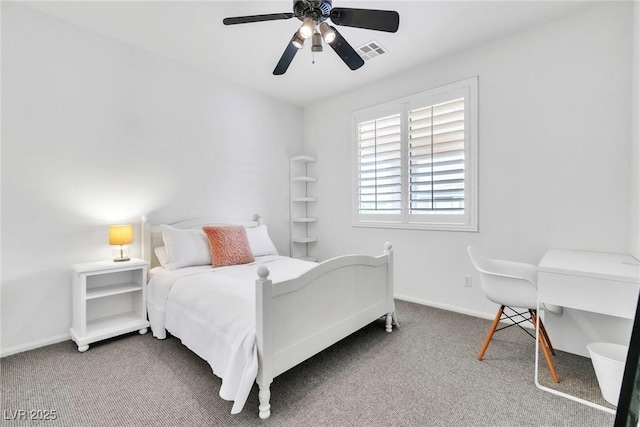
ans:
x=468 y=221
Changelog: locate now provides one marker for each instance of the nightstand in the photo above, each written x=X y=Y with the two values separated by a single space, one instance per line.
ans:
x=109 y=299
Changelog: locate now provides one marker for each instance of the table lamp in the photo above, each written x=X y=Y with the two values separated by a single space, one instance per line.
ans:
x=121 y=235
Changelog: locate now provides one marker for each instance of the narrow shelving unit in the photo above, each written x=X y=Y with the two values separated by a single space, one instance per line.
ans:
x=302 y=206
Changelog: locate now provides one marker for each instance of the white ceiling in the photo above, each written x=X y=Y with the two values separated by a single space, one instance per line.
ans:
x=192 y=33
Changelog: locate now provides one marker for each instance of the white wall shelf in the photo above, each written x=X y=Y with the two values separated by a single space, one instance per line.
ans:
x=302 y=204
x=304 y=239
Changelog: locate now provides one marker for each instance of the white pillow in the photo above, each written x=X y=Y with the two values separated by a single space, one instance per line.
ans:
x=185 y=247
x=161 y=254
x=259 y=241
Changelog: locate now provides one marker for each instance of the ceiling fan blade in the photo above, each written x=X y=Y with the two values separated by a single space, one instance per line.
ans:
x=379 y=20
x=256 y=18
x=346 y=52
x=286 y=58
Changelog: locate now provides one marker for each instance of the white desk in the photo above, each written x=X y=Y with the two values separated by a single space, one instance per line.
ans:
x=597 y=282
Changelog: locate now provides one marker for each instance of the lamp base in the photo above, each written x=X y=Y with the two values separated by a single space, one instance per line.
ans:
x=121 y=254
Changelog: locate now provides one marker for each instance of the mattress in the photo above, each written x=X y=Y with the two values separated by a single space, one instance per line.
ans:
x=212 y=311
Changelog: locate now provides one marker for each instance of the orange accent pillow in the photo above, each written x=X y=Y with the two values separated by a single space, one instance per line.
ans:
x=229 y=245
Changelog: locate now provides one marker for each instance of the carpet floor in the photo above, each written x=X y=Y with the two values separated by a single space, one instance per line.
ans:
x=425 y=373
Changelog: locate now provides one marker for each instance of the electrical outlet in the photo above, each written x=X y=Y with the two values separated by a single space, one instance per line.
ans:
x=467 y=281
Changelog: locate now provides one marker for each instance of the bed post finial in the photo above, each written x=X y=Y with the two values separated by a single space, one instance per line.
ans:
x=145 y=239
x=387 y=247
x=258 y=218
x=263 y=271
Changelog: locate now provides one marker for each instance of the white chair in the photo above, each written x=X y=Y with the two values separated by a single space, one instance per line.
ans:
x=511 y=284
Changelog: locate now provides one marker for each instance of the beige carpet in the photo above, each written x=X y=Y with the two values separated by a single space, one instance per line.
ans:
x=423 y=374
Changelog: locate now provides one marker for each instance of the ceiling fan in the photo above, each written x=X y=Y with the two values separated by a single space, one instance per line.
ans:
x=314 y=14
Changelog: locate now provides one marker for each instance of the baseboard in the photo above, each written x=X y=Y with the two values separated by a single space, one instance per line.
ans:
x=447 y=307
x=456 y=309
x=64 y=337
x=33 y=345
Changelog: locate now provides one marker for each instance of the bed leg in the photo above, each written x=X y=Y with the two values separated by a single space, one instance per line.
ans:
x=264 y=395
x=389 y=322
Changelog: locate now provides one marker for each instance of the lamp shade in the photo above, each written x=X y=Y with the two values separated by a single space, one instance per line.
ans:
x=306 y=29
x=316 y=40
x=327 y=33
x=120 y=234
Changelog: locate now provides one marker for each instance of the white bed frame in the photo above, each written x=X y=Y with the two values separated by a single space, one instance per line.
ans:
x=298 y=318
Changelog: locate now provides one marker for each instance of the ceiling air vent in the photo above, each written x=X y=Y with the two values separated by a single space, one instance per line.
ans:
x=371 y=50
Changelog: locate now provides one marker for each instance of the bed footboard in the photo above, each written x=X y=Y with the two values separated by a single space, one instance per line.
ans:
x=297 y=318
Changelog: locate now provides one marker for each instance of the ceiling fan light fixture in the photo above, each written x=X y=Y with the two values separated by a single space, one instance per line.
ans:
x=306 y=29
x=327 y=33
x=316 y=42
x=297 y=41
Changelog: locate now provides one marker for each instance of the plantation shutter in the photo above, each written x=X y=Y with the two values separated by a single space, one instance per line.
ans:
x=380 y=166
x=436 y=158
x=415 y=160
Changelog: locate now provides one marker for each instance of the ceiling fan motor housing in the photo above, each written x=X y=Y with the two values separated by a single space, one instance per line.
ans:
x=319 y=10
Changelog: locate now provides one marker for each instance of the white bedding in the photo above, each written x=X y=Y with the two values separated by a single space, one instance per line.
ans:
x=212 y=311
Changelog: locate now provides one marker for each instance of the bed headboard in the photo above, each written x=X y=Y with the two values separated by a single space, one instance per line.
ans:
x=152 y=233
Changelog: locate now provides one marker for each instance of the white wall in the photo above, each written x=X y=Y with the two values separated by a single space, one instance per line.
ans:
x=554 y=151
x=96 y=132
x=635 y=126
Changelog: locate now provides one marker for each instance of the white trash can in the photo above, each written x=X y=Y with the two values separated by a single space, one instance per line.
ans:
x=608 y=361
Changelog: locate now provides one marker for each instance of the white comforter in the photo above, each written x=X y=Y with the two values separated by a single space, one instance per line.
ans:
x=212 y=310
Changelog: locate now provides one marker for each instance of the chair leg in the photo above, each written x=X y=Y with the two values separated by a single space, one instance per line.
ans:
x=543 y=331
x=492 y=330
x=545 y=349
x=546 y=337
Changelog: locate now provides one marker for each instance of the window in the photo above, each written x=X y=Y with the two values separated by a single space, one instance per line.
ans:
x=416 y=160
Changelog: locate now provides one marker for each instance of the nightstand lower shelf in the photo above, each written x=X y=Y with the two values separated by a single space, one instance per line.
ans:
x=108 y=327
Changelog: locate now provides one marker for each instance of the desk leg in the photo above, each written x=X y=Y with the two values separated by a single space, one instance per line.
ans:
x=556 y=392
